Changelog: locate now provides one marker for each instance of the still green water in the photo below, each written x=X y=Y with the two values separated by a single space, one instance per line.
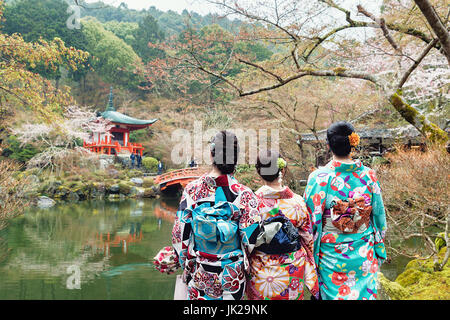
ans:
x=111 y=244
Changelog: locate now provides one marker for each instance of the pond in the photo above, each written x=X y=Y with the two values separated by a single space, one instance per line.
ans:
x=109 y=246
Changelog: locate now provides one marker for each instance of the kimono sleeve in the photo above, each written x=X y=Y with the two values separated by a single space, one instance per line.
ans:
x=306 y=238
x=249 y=221
x=315 y=204
x=378 y=219
x=304 y=226
x=182 y=229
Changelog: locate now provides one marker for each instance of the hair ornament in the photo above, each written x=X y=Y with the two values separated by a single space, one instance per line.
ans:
x=281 y=163
x=354 y=139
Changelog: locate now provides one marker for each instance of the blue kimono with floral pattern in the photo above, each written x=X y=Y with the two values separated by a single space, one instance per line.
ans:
x=347 y=262
x=215 y=230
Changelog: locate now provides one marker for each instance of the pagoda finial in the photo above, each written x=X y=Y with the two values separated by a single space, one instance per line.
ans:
x=110 y=106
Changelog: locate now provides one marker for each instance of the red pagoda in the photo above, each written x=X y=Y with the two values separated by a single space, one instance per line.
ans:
x=118 y=139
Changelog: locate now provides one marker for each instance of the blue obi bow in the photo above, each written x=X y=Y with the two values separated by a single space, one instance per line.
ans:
x=213 y=223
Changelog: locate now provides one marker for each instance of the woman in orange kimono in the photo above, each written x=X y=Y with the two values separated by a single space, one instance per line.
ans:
x=282 y=276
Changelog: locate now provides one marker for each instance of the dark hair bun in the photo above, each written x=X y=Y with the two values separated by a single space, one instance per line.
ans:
x=267 y=165
x=337 y=137
x=225 y=151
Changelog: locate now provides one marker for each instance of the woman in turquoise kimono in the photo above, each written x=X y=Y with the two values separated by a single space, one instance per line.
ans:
x=349 y=222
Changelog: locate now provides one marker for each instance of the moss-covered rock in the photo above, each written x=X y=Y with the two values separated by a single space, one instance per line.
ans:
x=134 y=173
x=420 y=281
x=137 y=181
x=148 y=182
x=98 y=190
x=125 y=188
x=85 y=191
x=61 y=192
x=49 y=187
x=73 y=197
x=113 y=189
x=122 y=176
x=76 y=186
x=409 y=277
x=94 y=185
x=149 y=193
x=137 y=192
x=391 y=290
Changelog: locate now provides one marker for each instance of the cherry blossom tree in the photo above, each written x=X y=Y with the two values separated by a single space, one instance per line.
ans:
x=310 y=106
x=60 y=140
x=395 y=50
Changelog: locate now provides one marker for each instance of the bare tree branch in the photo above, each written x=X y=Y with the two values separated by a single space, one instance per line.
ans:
x=261 y=68
x=391 y=26
x=382 y=23
x=436 y=24
x=416 y=63
x=316 y=73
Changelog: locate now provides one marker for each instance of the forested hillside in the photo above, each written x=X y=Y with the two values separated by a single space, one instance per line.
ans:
x=228 y=73
x=122 y=43
x=170 y=22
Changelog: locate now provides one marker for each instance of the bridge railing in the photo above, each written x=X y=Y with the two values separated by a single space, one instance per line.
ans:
x=108 y=145
x=181 y=174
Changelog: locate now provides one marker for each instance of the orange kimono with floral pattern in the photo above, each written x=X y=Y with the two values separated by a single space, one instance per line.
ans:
x=284 y=276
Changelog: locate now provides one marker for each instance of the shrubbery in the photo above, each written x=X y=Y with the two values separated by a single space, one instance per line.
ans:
x=150 y=164
x=16 y=151
x=416 y=196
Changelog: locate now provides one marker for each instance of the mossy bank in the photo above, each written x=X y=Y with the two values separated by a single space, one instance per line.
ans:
x=419 y=281
x=113 y=183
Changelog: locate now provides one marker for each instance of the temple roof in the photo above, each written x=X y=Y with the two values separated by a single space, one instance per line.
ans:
x=366 y=133
x=117 y=117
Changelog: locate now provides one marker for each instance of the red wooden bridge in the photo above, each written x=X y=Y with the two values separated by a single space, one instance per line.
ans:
x=179 y=177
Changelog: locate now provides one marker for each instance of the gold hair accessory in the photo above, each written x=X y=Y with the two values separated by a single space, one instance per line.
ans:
x=353 y=139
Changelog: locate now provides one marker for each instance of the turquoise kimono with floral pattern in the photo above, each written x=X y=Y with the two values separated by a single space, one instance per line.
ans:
x=347 y=262
x=213 y=248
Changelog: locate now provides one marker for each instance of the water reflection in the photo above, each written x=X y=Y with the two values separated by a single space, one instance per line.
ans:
x=112 y=243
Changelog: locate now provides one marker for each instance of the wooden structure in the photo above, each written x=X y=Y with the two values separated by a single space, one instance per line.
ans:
x=179 y=177
x=107 y=146
x=117 y=139
x=374 y=136
x=374 y=141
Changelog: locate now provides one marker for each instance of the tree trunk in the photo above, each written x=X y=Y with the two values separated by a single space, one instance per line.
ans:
x=436 y=24
x=419 y=121
x=300 y=146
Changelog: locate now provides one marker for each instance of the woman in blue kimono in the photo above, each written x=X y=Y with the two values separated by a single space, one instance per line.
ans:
x=216 y=228
x=349 y=222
